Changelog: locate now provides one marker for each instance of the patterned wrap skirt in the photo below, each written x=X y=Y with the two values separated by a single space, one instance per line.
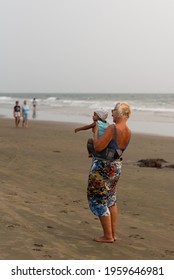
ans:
x=102 y=181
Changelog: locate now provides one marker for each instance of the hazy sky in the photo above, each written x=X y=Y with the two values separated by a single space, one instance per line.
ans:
x=87 y=46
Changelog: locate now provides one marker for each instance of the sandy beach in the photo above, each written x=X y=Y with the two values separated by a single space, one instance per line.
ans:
x=43 y=204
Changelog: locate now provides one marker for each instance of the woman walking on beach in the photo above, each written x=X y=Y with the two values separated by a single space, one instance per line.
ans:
x=17 y=113
x=25 y=114
x=106 y=169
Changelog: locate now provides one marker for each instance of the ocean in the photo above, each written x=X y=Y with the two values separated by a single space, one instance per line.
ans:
x=151 y=113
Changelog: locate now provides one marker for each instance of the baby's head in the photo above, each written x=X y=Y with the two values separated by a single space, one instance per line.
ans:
x=101 y=114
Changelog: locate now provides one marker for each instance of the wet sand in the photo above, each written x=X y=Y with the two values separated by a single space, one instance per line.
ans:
x=44 y=210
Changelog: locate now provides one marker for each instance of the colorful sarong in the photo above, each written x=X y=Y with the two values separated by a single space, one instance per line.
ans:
x=102 y=181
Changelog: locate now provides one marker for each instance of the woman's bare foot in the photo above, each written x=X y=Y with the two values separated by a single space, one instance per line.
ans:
x=103 y=239
x=115 y=238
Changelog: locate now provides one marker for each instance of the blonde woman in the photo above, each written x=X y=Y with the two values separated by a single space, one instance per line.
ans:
x=25 y=113
x=106 y=169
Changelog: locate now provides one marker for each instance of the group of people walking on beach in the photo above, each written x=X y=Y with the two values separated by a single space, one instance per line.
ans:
x=106 y=147
x=23 y=112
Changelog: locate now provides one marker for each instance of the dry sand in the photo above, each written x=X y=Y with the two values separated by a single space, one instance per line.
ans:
x=43 y=205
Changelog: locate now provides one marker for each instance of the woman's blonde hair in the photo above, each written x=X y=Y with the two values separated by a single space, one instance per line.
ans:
x=123 y=109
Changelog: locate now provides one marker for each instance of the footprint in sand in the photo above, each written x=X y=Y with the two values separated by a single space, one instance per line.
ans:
x=38 y=247
x=76 y=201
x=13 y=225
x=168 y=252
x=84 y=222
x=13 y=193
x=38 y=244
x=136 y=236
x=49 y=227
x=64 y=211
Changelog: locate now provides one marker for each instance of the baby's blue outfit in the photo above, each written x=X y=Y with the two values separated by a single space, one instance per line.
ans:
x=101 y=128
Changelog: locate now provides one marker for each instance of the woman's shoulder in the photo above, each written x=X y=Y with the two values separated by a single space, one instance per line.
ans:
x=110 y=129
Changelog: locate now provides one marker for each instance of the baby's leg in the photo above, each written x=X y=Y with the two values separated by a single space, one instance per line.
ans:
x=90 y=147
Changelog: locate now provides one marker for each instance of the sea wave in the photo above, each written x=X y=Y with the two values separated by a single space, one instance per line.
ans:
x=143 y=102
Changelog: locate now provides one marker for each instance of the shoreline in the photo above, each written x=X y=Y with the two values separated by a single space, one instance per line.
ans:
x=44 y=210
x=152 y=126
x=151 y=114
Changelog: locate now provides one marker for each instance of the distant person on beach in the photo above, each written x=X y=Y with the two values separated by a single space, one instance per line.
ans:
x=34 y=103
x=106 y=169
x=99 y=117
x=25 y=113
x=17 y=113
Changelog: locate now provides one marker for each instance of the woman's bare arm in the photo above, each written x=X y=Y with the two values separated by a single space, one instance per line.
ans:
x=101 y=143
